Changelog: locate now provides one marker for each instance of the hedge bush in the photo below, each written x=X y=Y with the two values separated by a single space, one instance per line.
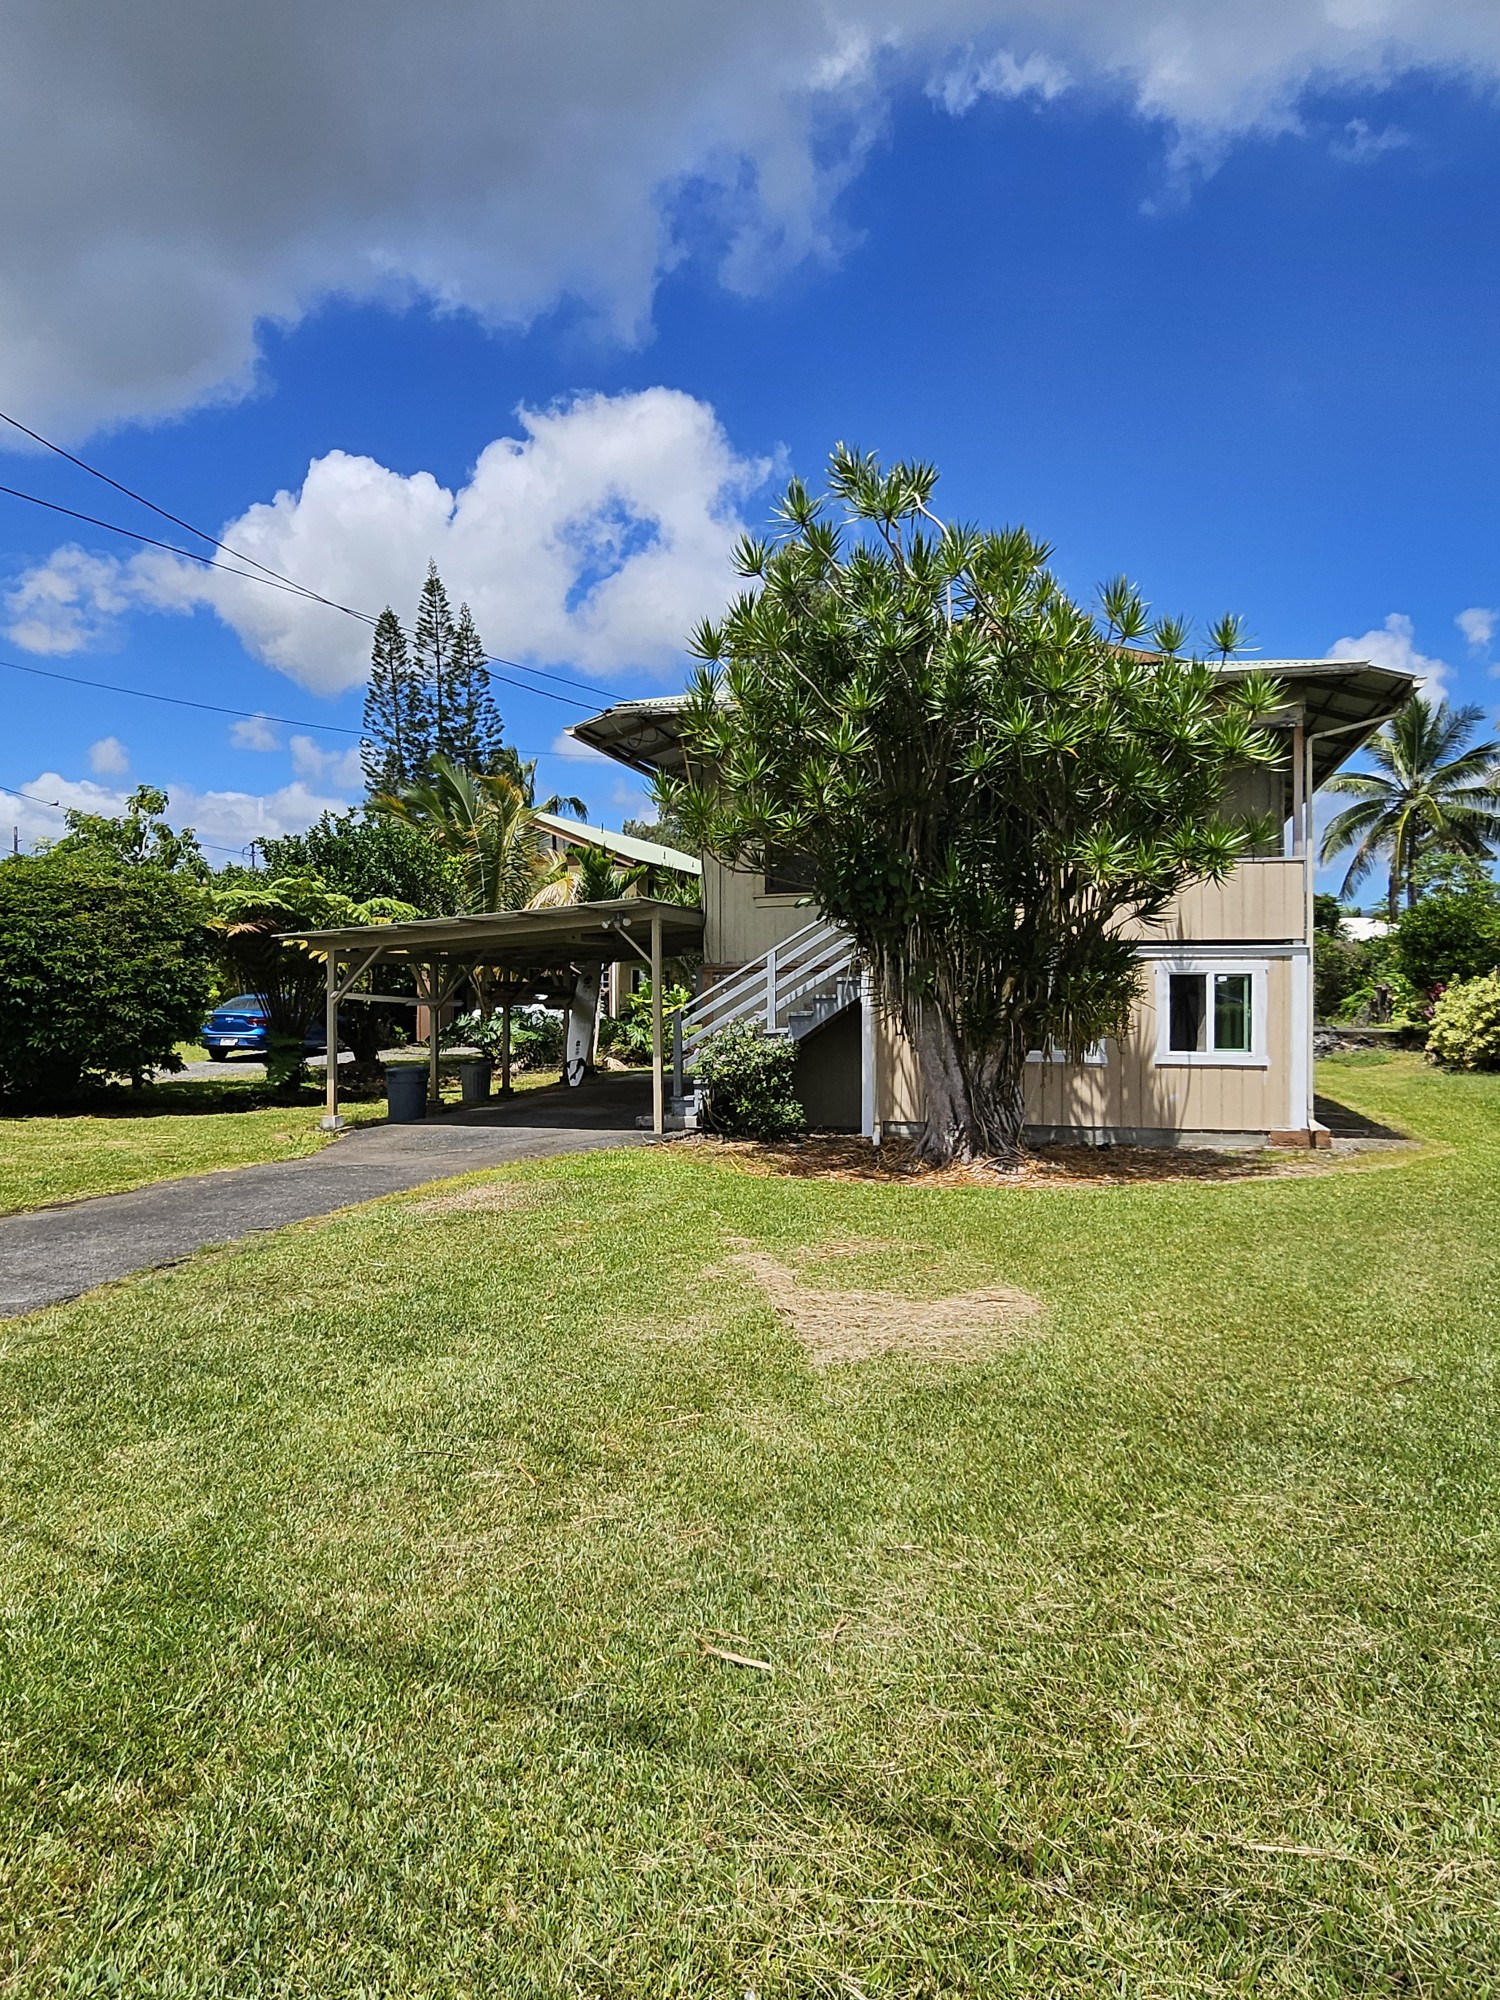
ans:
x=746 y=1077
x=1465 y=1031
x=102 y=971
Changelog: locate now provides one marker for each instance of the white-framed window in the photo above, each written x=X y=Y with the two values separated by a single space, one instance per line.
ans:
x=1095 y=1057
x=1211 y=1011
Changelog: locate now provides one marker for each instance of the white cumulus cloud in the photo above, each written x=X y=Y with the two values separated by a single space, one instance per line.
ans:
x=1393 y=645
x=173 y=177
x=317 y=766
x=254 y=732
x=108 y=758
x=226 y=822
x=1478 y=625
x=599 y=537
x=68 y=603
x=1360 y=145
x=959 y=88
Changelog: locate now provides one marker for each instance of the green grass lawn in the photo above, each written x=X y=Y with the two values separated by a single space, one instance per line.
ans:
x=166 y=1131
x=356 y=1587
x=155 y=1134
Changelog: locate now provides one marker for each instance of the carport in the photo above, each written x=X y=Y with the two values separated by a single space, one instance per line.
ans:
x=509 y=957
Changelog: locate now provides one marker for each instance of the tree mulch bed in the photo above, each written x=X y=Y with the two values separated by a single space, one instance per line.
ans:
x=835 y=1157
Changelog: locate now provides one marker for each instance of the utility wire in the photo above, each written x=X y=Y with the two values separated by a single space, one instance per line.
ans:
x=294 y=589
x=268 y=575
x=178 y=701
x=192 y=555
x=56 y=805
x=176 y=519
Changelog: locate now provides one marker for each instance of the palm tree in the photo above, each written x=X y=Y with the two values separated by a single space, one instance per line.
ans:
x=590 y=876
x=1428 y=794
x=487 y=822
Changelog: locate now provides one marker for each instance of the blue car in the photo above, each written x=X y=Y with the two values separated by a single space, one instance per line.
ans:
x=241 y=1027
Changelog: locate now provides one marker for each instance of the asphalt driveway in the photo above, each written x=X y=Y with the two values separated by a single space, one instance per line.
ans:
x=51 y=1254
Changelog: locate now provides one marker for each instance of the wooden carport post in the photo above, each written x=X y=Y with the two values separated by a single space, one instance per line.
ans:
x=505 y=1089
x=658 y=1108
x=434 y=1092
x=331 y=1119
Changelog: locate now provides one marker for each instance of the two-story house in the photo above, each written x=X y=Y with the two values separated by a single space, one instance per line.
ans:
x=1219 y=1049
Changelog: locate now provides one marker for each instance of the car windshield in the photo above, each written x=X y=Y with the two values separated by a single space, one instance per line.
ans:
x=242 y=1003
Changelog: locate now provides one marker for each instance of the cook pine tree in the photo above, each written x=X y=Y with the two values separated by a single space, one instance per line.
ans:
x=430 y=697
x=476 y=737
x=394 y=750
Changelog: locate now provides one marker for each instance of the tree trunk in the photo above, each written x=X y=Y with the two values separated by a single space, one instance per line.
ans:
x=974 y=1099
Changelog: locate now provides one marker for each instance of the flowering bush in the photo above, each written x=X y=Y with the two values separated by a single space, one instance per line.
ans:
x=1465 y=1032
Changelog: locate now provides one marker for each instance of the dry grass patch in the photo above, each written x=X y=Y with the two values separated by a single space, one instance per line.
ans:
x=837 y=1326
x=485 y=1198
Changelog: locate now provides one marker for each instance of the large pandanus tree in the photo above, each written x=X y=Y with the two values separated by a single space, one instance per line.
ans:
x=992 y=786
x=1433 y=791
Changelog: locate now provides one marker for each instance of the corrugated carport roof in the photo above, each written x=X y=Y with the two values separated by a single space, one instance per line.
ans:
x=520 y=940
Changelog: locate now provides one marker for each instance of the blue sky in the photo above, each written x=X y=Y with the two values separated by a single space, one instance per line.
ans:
x=1238 y=347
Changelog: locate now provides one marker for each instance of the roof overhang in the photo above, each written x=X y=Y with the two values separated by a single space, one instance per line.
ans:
x=521 y=941
x=646 y=735
x=1339 y=702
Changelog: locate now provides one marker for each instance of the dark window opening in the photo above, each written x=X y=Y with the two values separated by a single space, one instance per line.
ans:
x=788 y=874
x=1188 y=1013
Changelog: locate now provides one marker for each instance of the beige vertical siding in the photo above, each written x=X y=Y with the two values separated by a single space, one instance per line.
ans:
x=1261 y=901
x=1131 y=1091
x=739 y=921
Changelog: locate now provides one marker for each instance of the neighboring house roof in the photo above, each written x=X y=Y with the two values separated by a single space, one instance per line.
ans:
x=1343 y=702
x=625 y=845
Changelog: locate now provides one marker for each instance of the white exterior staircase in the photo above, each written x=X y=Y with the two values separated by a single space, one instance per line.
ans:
x=790 y=990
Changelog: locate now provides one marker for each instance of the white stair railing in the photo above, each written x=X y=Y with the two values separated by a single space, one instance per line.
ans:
x=813 y=965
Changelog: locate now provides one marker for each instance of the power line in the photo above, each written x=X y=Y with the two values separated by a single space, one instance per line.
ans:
x=276 y=578
x=293 y=589
x=190 y=555
x=178 y=701
x=56 y=805
x=176 y=519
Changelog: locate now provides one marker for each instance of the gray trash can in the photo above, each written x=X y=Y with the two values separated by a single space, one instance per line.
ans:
x=405 y=1092
x=474 y=1081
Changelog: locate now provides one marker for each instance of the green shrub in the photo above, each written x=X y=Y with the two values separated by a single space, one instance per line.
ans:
x=1342 y=970
x=1465 y=1031
x=537 y=1037
x=746 y=1077
x=1449 y=937
x=103 y=970
x=629 y=1037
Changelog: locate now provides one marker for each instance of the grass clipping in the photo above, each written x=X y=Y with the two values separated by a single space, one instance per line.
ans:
x=838 y=1326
